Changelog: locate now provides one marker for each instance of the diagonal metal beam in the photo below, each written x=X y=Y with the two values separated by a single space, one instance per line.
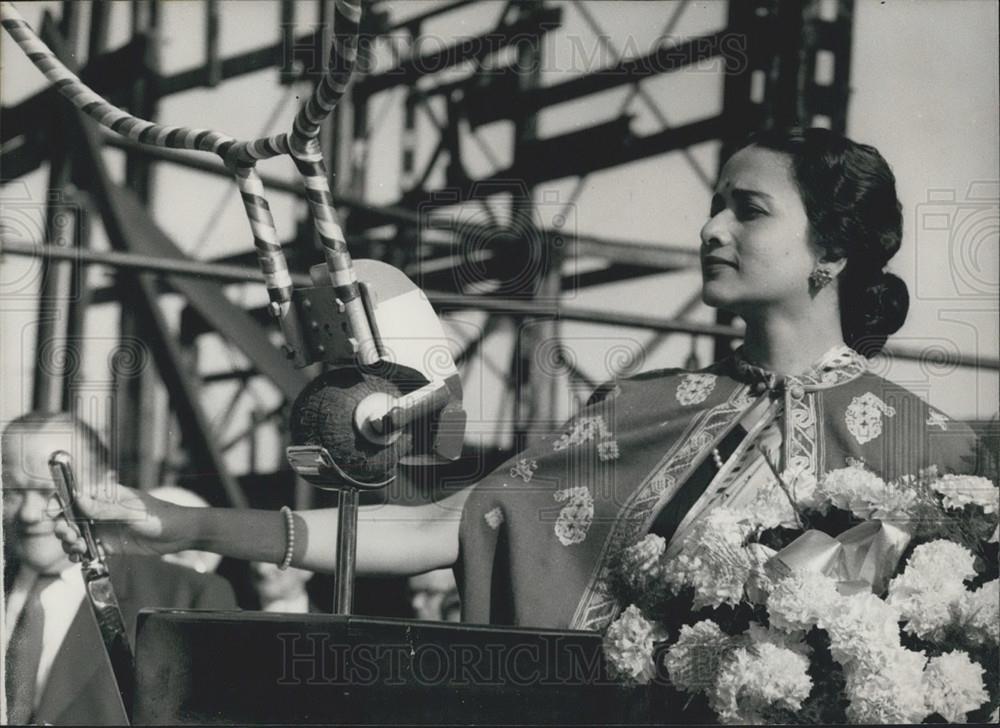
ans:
x=468 y=49
x=130 y=228
x=118 y=208
x=573 y=154
x=225 y=317
x=473 y=347
x=637 y=88
x=500 y=98
x=24 y=155
x=110 y=74
x=239 y=65
x=137 y=232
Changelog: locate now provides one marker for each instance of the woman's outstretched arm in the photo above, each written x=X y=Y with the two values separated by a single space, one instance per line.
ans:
x=392 y=539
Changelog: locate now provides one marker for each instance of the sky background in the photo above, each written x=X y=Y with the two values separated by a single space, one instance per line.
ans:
x=924 y=91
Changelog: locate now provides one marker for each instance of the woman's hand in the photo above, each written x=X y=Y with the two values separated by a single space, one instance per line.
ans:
x=129 y=522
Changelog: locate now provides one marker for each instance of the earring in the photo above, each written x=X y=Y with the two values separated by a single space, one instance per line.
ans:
x=820 y=278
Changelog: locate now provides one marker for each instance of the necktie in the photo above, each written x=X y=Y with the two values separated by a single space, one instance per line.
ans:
x=24 y=653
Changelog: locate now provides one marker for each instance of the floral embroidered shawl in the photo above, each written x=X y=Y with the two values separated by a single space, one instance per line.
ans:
x=539 y=536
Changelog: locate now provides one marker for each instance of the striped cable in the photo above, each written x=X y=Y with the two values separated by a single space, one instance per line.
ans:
x=338 y=260
x=308 y=158
x=240 y=157
x=90 y=103
x=269 y=254
x=265 y=239
x=260 y=149
x=343 y=54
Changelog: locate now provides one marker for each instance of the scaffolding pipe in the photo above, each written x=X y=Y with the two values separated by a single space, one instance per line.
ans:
x=148 y=263
x=450 y=301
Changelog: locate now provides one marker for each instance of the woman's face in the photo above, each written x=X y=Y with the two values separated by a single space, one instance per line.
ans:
x=756 y=251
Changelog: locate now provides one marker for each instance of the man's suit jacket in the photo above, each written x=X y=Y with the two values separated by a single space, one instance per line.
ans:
x=81 y=687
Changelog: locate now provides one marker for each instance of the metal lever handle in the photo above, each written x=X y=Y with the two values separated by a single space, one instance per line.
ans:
x=97 y=580
x=61 y=467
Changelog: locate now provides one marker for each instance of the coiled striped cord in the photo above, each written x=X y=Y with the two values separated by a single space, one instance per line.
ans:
x=241 y=157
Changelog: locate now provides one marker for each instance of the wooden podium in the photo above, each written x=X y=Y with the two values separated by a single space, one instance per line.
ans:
x=254 y=667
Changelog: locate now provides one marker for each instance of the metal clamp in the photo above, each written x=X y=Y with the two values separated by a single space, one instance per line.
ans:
x=315 y=464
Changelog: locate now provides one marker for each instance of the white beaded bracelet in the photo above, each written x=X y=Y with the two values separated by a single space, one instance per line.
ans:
x=290 y=544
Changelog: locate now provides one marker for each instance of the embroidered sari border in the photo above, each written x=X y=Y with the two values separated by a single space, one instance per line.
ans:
x=597 y=606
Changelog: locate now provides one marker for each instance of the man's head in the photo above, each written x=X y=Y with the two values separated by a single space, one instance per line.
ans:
x=30 y=505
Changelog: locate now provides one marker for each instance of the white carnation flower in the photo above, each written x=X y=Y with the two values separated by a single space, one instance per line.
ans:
x=693 y=661
x=943 y=560
x=718 y=574
x=756 y=678
x=895 y=502
x=957 y=491
x=979 y=612
x=774 y=510
x=863 y=493
x=929 y=590
x=802 y=600
x=929 y=613
x=893 y=694
x=853 y=489
x=629 y=643
x=863 y=630
x=641 y=564
x=712 y=559
x=953 y=685
x=644 y=555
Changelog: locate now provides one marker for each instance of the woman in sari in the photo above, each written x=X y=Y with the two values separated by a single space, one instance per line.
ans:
x=801 y=227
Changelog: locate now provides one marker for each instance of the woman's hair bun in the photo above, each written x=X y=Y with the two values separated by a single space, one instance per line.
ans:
x=871 y=312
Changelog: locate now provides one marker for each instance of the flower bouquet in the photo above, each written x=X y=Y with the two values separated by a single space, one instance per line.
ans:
x=850 y=599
